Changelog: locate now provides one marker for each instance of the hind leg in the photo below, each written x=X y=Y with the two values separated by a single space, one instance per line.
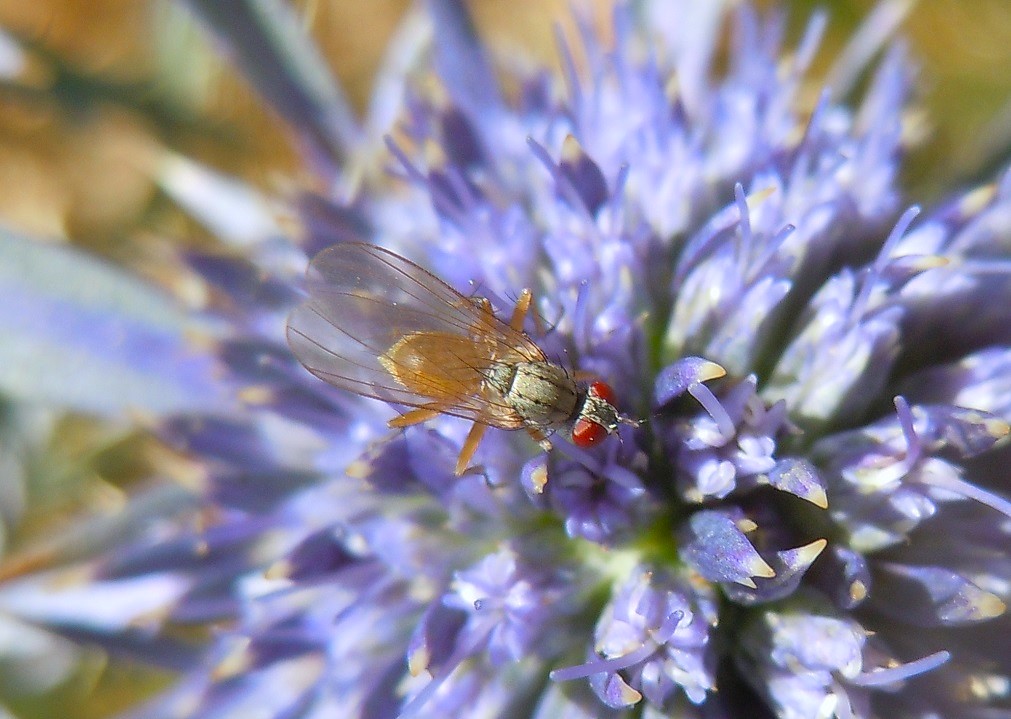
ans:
x=415 y=416
x=469 y=447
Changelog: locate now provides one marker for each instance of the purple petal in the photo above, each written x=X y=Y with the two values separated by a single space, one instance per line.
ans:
x=719 y=550
x=674 y=380
x=800 y=478
x=460 y=58
x=267 y=41
x=83 y=335
x=932 y=596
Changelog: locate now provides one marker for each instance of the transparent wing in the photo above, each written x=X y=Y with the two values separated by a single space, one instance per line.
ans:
x=365 y=300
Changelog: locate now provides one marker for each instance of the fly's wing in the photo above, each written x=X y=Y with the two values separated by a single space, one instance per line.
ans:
x=363 y=300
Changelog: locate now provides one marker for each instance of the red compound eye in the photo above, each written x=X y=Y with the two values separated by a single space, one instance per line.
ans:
x=586 y=433
x=603 y=391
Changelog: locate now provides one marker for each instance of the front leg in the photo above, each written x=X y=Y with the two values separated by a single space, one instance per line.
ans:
x=541 y=438
x=520 y=310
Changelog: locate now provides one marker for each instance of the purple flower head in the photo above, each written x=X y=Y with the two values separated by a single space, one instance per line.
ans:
x=506 y=607
x=809 y=664
x=730 y=445
x=652 y=640
x=600 y=496
x=805 y=515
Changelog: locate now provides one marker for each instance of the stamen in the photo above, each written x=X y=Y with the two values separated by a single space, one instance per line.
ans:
x=712 y=405
x=743 y=248
x=565 y=186
x=440 y=199
x=568 y=66
x=873 y=274
x=478 y=634
x=892 y=675
x=602 y=666
x=947 y=482
x=619 y=188
x=914 y=448
x=970 y=491
x=869 y=39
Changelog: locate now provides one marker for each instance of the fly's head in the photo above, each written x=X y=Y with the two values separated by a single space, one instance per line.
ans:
x=597 y=416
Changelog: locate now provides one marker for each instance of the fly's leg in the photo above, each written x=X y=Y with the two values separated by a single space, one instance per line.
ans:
x=415 y=416
x=487 y=321
x=519 y=314
x=469 y=447
x=539 y=477
x=423 y=414
x=581 y=375
x=520 y=310
x=541 y=438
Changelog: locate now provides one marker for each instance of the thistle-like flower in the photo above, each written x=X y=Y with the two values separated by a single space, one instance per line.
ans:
x=808 y=520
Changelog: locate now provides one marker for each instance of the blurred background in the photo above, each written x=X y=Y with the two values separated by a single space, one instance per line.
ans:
x=92 y=92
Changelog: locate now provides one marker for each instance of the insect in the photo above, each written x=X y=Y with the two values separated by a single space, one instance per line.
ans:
x=380 y=326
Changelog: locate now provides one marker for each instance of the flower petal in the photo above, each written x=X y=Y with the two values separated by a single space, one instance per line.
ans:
x=83 y=335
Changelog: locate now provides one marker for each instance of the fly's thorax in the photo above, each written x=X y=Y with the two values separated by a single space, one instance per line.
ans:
x=541 y=393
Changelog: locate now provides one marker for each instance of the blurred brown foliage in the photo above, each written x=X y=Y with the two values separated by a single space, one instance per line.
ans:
x=116 y=81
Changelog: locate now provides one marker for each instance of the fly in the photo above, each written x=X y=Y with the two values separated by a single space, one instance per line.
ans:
x=380 y=326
